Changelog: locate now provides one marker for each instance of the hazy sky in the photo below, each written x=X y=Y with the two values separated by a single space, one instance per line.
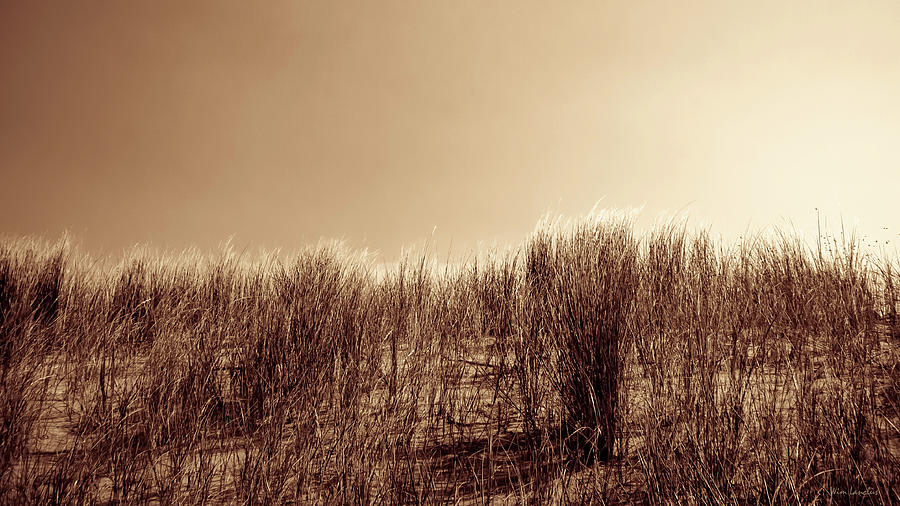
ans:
x=183 y=122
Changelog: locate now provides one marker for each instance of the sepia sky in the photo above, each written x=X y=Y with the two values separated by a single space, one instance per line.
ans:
x=182 y=123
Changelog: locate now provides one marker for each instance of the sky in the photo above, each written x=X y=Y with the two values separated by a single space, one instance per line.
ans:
x=387 y=123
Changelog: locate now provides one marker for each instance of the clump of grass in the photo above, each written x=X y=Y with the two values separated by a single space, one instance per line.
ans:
x=31 y=277
x=585 y=279
x=31 y=283
x=133 y=301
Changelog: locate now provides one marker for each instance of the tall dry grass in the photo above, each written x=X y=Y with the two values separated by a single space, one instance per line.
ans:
x=590 y=365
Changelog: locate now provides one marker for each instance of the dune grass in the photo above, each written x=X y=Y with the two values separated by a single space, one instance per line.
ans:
x=588 y=366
